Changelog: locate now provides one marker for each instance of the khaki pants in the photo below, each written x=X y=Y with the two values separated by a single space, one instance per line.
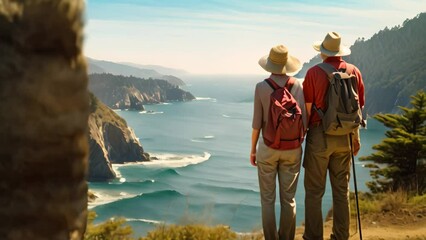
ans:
x=286 y=164
x=332 y=153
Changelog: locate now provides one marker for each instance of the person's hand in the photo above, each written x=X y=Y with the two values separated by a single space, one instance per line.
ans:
x=356 y=146
x=253 y=159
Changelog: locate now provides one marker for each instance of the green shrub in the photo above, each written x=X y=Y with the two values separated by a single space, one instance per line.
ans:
x=188 y=232
x=112 y=229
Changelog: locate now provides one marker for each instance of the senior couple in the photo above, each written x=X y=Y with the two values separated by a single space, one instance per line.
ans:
x=324 y=153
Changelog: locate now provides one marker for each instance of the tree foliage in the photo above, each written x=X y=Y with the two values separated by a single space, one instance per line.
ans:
x=400 y=159
x=392 y=64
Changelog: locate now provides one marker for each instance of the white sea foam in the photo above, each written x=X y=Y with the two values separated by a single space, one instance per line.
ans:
x=116 y=167
x=226 y=116
x=203 y=139
x=105 y=198
x=150 y=112
x=206 y=99
x=155 y=222
x=174 y=160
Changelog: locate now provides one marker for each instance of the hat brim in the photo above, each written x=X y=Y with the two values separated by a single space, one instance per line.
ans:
x=344 y=50
x=291 y=68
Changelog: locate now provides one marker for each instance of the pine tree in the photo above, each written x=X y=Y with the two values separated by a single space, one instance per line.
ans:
x=400 y=159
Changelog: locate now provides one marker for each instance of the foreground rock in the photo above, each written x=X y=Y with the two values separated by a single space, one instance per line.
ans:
x=111 y=141
x=43 y=121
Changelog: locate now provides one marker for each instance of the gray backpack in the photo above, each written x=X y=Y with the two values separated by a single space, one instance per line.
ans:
x=343 y=114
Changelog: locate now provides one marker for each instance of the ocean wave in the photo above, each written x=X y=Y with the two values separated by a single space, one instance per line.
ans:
x=167 y=172
x=203 y=139
x=225 y=116
x=105 y=198
x=124 y=197
x=163 y=194
x=175 y=160
x=150 y=112
x=225 y=189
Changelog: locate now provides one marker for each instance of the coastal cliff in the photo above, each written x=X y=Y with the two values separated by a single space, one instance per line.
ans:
x=111 y=141
x=120 y=92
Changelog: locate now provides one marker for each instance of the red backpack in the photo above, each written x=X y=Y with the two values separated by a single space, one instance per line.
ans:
x=284 y=129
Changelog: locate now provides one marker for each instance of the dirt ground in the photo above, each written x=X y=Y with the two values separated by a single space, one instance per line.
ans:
x=404 y=224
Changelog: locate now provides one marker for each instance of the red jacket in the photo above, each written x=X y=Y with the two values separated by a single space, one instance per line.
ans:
x=316 y=85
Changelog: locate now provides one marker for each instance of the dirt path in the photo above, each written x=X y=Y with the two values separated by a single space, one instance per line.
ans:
x=386 y=227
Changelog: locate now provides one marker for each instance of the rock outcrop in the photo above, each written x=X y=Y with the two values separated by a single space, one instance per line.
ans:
x=120 y=92
x=43 y=121
x=111 y=141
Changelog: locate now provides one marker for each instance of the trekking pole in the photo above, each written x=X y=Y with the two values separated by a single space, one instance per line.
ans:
x=356 y=189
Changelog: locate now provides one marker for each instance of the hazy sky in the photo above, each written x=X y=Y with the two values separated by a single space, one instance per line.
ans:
x=229 y=36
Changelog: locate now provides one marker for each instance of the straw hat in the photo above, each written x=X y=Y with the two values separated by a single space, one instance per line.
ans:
x=331 y=46
x=280 y=62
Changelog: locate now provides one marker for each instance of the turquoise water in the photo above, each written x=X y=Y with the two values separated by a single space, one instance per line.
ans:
x=203 y=173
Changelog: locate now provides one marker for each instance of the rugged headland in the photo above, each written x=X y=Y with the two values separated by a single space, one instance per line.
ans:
x=121 y=92
x=111 y=141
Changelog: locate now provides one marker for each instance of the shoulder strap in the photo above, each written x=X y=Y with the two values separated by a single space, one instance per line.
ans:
x=328 y=68
x=290 y=83
x=272 y=84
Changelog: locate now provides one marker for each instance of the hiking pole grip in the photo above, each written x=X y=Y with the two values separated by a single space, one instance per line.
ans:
x=356 y=188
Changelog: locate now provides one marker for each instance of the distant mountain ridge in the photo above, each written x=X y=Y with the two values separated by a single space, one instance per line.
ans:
x=392 y=63
x=131 y=69
x=160 y=69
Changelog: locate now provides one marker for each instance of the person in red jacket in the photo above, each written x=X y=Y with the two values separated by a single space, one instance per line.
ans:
x=326 y=152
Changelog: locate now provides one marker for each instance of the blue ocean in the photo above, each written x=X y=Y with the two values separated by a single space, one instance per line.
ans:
x=203 y=174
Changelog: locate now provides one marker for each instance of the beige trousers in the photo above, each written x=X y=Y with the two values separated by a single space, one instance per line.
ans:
x=285 y=164
x=333 y=154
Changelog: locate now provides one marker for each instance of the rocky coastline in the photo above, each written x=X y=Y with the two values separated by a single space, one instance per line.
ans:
x=121 y=92
x=111 y=141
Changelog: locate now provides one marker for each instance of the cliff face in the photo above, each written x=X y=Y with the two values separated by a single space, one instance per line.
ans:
x=111 y=141
x=121 y=92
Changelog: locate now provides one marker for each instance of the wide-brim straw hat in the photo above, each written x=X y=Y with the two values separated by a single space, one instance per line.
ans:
x=280 y=62
x=332 y=46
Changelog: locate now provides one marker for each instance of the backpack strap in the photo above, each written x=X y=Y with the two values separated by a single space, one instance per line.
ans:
x=327 y=68
x=272 y=84
x=289 y=84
